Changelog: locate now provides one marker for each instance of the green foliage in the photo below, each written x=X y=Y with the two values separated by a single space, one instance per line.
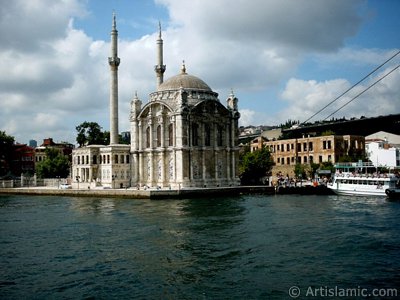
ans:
x=313 y=169
x=55 y=164
x=302 y=170
x=289 y=123
x=327 y=133
x=89 y=133
x=327 y=165
x=124 y=140
x=6 y=144
x=255 y=165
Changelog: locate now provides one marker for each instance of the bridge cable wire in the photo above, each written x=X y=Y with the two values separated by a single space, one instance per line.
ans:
x=354 y=85
x=355 y=97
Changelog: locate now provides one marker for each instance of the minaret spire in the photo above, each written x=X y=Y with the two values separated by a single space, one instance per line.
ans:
x=114 y=61
x=160 y=67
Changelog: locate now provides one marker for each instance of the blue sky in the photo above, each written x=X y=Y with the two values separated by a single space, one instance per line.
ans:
x=284 y=59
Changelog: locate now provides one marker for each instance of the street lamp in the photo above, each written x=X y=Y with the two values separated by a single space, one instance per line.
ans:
x=77 y=179
x=114 y=177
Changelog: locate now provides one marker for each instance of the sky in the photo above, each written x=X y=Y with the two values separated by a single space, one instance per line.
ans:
x=283 y=59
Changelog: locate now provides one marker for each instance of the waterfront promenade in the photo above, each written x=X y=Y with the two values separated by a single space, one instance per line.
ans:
x=133 y=193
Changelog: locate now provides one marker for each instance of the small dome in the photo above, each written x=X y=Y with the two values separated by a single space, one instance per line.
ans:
x=185 y=81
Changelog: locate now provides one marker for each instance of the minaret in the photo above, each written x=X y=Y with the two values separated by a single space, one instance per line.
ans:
x=159 y=68
x=114 y=61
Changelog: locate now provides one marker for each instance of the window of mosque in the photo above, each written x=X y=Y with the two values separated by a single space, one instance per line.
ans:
x=87 y=159
x=207 y=132
x=116 y=158
x=159 y=136
x=94 y=159
x=195 y=135
x=148 y=137
x=170 y=134
x=122 y=159
x=127 y=159
x=108 y=158
x=219 y=136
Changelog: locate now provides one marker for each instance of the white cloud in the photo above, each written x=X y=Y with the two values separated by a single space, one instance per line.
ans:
x=304 y=98
x=59 y=74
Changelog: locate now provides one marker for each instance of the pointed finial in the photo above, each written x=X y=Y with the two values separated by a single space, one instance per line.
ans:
x=114 y=22
x=136 y=96
x=183 y=68
x=159 y=29
x=232 y=94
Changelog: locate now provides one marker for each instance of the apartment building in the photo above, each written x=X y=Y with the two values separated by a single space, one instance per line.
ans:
x=307 y=150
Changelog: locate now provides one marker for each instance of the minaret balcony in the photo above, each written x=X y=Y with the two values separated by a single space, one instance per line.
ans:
x=160 y=69
x=114 y=61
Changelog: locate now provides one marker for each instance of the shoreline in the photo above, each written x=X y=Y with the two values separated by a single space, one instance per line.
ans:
x=141 y=194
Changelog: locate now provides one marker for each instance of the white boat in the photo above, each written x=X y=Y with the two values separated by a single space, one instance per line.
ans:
x=360 y=179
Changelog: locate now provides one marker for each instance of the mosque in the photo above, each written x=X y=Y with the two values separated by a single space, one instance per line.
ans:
x=182 y=137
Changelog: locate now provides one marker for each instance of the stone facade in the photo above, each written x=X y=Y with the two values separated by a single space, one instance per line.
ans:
x=98 y=165
x=307 y=150
x=182 y=137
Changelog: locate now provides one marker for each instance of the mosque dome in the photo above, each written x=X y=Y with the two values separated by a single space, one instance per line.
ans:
x=185 y=81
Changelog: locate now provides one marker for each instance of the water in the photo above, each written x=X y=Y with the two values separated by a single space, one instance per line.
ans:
x=248 y=247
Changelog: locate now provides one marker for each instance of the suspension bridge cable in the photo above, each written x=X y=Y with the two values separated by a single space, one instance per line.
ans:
x=355 y=97
x=354 y=85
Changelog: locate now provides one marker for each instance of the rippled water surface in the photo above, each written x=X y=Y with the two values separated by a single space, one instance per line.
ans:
x=248 y=247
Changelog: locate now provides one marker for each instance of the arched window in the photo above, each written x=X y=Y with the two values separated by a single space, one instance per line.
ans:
x=148 y=137
x=159 y=136
x=195 y=134
x=171 y=134
x=207 y=133
x=219 y=136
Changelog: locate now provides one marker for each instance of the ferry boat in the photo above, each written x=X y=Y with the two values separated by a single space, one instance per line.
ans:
x=361 y=179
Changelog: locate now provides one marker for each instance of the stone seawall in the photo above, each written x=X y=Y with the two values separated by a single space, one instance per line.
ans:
x=143 y=194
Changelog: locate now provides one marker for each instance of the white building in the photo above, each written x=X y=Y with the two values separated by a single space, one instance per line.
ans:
x=382 y=154
x=182 y=137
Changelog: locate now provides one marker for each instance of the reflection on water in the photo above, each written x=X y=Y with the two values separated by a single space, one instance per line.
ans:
x=225 y=248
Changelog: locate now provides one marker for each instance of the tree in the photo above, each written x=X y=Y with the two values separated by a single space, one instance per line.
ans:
x=327 y=133
x=302 y=170
x=327 y=165
x=255 y=165
x=6 y=148
x=54 y=165
x=89 y=133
